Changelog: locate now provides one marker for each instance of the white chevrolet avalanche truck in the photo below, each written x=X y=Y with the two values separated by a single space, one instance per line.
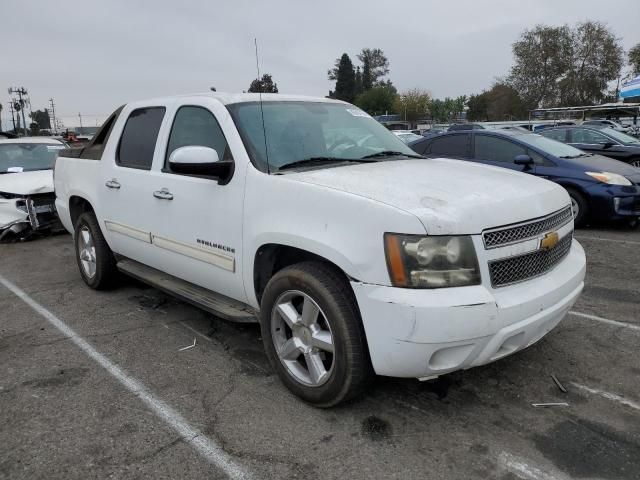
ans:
x=356 y=255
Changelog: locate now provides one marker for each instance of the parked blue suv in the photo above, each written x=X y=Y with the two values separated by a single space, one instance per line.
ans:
x=601 y=189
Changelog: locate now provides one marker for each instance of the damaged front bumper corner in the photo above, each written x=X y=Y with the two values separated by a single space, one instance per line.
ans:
x=20 y=217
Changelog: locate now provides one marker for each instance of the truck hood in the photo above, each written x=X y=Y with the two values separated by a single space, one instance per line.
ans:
x=27 y=183
x=448 y=196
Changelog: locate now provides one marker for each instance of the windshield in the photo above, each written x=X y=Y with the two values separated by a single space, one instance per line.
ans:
x=25 y=157
x=298 y=131
x=552 y=147
x=621 y=137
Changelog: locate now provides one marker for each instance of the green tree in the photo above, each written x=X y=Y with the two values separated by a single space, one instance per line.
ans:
x=596 y=60
x=41 y=118
x=634 y=59
x=367 y=80
x=412 y=105
x=359 y=89
x=504 y=103
x=377 y=62
x=378 y=100
x=478 y=108
x=263 y=85
x=345 y=80
x=542 y=56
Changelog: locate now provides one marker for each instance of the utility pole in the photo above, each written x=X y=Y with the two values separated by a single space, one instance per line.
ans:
x=53 y=115
x=80 y=117
x=20 y=91
x=13 y=119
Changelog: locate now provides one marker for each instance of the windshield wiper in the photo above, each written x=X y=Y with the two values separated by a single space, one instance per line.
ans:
x=391 y=153
x=577 y=156
x=319 y=161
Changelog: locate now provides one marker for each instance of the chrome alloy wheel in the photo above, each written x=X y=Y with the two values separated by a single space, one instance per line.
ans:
x=87 y=252
x=575 y=207
x=635 y=163
x=302 y=338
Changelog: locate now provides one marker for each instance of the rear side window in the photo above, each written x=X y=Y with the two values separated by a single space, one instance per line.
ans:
x=452 y=145
x=197 y=126
x=139 y=137
x=497 y=149
x=559 y=135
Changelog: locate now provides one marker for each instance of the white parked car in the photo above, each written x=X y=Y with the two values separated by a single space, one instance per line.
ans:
x=355 y=257
x=407 y=136
x=27 y=201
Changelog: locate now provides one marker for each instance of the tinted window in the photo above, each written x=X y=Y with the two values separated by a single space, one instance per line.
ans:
x=197 y=126
x=582 y=135
x=139 y=137
x=560 y=135
x=497 y=149
x=452 y=146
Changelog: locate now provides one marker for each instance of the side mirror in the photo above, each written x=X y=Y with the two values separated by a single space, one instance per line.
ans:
x=523 y=160
x=199 y=160
x=607 y=144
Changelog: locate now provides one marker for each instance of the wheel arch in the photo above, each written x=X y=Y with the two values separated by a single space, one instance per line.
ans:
x=77 y=206
x=270 y=258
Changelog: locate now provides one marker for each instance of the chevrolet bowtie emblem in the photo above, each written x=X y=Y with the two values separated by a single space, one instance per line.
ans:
x=549 y=241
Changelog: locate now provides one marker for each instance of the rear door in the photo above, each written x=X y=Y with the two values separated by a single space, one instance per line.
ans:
x=125 y=188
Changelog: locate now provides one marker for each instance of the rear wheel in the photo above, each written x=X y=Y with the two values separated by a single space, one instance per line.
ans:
x=95 y=260
x=579 y=206
x=313 y=335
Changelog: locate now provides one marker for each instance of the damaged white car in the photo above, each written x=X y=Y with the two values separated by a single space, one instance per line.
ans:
x=27 y=199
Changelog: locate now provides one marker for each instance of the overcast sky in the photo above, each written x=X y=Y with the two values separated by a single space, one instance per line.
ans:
x=92 y=56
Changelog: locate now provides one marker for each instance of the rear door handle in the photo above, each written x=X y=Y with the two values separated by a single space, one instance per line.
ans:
x=163 y=194
x=112 y=184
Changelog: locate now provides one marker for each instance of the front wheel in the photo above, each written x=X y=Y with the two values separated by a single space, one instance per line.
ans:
x=579 y=206
x=313 y=334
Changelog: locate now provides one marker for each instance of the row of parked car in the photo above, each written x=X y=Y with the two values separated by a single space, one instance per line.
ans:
x=596 y=164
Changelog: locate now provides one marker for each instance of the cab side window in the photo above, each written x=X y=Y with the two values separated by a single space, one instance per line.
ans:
x=196 y=126
x=139 y=136
x=497 y=149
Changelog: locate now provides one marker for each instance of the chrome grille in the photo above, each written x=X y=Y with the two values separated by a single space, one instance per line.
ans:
x=524 y=231
x=523 y=267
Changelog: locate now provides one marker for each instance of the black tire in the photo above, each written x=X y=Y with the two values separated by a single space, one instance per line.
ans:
x=583 y=207
x=106 y=273
x=351 y=368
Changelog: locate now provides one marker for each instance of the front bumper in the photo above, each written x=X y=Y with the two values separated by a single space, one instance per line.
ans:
x=614 y=202
x=427 y=333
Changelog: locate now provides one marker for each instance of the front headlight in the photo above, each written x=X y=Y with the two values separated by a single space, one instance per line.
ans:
x=416 y=261
x=610 y=178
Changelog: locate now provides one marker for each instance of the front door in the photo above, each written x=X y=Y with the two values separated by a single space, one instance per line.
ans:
x=499 y=152
x=196 y=223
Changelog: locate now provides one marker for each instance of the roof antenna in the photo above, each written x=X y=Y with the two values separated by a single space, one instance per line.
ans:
x=264 y=128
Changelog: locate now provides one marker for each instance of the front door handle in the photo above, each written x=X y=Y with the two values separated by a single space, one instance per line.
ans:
x=112 y=184
x=163 y=194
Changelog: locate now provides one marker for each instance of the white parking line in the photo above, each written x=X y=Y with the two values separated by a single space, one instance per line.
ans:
x=600 y=239
x=608 y=396
x=521 y=469
x=206 y=447
x=615 y=323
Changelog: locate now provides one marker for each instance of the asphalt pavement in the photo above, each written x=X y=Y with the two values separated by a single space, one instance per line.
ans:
x=111 y=385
